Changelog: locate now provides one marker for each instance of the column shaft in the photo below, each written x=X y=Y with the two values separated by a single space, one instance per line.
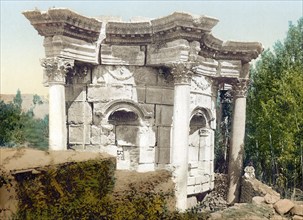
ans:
x=55 y=70
x=180 y=142
x=236 y=150
x=57 y=117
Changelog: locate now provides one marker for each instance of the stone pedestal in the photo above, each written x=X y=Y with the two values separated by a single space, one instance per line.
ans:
x=55 y=70
x=182 y=77
x=237 y=140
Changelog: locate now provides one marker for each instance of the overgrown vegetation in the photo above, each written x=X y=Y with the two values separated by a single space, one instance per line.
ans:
x=84 y=190
x=22 y=128
x=274 y=140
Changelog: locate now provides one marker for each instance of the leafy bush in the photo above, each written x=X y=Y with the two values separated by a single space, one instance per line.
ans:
x=84 y=190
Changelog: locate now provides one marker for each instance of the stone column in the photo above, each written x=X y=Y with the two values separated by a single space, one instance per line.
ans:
x=55 y=70
x=182 y=78
x=236 y=150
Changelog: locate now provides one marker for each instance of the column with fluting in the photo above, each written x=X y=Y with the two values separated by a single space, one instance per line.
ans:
x=55 y=70
x=182 y=78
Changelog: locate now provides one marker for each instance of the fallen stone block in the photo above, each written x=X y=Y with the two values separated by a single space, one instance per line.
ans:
x=297 y=209
x=258 y=200
x=297 y=217
x=283 y=206
x=271 y=199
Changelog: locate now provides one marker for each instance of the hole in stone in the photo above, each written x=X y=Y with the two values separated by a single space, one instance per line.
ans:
x=122 y=116
x=198 y=121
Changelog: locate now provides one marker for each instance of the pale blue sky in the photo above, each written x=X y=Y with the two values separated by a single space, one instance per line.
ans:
x=21 y=46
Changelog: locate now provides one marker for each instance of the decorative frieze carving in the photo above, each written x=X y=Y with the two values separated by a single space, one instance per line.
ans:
x=121 y=73
x=56 y=69
x=240 y=87
x=182 y=72
x=200 y=83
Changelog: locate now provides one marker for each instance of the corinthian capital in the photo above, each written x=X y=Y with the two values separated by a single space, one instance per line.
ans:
x=182 y=72
x=240 y=87
x=55 y=69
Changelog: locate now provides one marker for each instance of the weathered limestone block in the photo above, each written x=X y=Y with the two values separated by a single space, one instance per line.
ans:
x=95 y=135
x=79 y=113
x=253 y=187
x=174 y=51
x=158 y=95
x=297 y=209
x=139 y=94
x=297 y=217
x=146 y=136
x=122 y=55
x=71 y=48
x=79 y=134
x=283 y=206
x=107 y=75
x=150 y=108
x=164 y=115
x=271 y=199
x=190 y=190
x=229 y=68
x=164 y=155
x=147 y=155
x=163 y=137
x=193 y=154
x=145 y=75
x=258 y=200
x=191 y=181
x=207 y=66
x=200 y=100
x=198 y=188
x=75 y=93
x=108 y=93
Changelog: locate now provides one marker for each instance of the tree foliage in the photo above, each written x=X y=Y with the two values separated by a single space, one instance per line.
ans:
x=275 y=112
x=22 y=128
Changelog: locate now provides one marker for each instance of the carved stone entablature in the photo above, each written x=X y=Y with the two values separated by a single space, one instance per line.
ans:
x=240 y=87
x=60 y=21
x=128 y=33
x=182 y=72
x=175 y=26
x=214 y=48
x=56 y=69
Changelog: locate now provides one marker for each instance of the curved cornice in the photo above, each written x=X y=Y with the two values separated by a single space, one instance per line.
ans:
x=156 y=32
x=215 y=48
x=61 y=21
x=178 y=25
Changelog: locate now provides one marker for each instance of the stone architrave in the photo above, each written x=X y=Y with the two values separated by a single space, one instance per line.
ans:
x=182 y=74
x=55 y=70
x=237 y=139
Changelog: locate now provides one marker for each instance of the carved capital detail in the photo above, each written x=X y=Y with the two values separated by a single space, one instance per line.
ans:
x=240 y=88
x=56 y=69
x=182 y=72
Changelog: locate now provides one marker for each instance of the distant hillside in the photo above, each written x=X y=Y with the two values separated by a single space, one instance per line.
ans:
x=27 y=103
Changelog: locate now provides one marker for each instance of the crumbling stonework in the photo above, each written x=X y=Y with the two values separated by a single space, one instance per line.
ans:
x=144 y=91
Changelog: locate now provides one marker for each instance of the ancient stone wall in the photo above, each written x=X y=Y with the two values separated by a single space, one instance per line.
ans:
x=106 y=89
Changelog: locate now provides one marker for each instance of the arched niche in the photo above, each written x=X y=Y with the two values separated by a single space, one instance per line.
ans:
x=130 y=129
x=199 y=152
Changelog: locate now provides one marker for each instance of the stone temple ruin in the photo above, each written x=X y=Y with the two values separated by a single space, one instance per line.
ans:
x=144 y=91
